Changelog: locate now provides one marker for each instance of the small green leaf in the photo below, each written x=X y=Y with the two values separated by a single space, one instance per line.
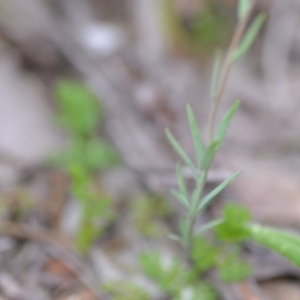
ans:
x=198 y=145
x=184 y=201
x=78 y=109
x=208 y=226
x=243 y=8
x=181 y=152
x=226 y=121
x=181 y=182
x=215 y=75
x=249 y=38
x=233 y=269
x=174 y=237
x=204 y=254
x=284 y=243
x=209 y=155
x=233 y=229
x=216 y=191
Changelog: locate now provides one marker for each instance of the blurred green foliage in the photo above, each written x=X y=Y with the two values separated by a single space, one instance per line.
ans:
x=169 y=275
x=147 y=213
x=174 y=278
x=223 y=250
x=80 y=113
x=211 y=28
x=225 y=257
x=79 y=110
x=232 y=268
x=97 y=211
x=125 y=291
x=200 y=32
x=233 y=229
x=204 y=254
x=95 y=154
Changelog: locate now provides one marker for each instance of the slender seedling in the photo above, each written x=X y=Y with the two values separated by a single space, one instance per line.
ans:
x=194 y=202
x=284 y=243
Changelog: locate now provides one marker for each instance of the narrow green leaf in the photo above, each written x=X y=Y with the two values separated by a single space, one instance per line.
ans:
x=181 y=199
x=181 y=152
x=174 y=237
x=208 y=226
x=226 y=121
x=233 y=229
x=215 y=75
x=215 y=192
x=249 y=38
x=243 y=8
x=198 y=145
x=209 y=155
x=181 y=182
x=284 y=243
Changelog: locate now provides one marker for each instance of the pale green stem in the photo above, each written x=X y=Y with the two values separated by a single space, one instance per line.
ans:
x=237 y=36
x=193 y=214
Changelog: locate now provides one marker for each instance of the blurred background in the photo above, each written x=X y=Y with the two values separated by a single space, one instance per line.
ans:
x=87 y=88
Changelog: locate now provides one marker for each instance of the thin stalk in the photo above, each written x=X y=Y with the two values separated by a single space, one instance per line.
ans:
x=193 y=214
x=236 y=39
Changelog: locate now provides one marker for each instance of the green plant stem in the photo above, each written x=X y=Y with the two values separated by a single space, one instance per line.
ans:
x=193 y=214
x=237 y=36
